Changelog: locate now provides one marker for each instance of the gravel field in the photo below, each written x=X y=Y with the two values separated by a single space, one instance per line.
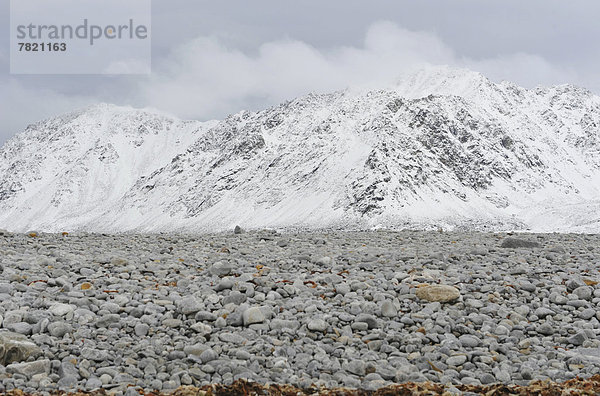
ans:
x=341 y=309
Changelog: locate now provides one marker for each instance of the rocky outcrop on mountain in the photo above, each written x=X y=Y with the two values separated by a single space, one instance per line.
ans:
x=442 y=148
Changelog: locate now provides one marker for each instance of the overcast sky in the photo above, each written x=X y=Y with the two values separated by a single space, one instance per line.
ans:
x=213 y=58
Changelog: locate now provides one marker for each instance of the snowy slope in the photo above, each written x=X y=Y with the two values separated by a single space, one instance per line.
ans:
x=443 y=147
x=71 y=169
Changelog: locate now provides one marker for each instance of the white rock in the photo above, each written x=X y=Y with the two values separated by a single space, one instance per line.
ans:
x=201 y=328
x=60 y=309
x=253 y=315
x=324 y=261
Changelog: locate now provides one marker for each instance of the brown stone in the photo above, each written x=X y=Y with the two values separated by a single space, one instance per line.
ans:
x=438 y=293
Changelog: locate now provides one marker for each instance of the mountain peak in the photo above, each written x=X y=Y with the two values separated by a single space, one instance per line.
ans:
x=472 y=153
x=441 y=80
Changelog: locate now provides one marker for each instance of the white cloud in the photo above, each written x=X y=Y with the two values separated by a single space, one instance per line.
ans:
x=524 y=69
x=204 y=79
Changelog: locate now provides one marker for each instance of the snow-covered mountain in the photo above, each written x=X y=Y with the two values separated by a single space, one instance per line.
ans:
x=442 y=148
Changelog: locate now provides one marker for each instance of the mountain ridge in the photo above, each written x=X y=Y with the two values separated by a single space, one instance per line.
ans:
x=442 y=148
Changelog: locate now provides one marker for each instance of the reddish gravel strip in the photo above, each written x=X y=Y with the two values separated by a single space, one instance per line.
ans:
x=577 y=386
x=590 y=386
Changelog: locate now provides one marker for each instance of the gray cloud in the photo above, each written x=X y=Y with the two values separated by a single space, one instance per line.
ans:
x=205 y=78
x=21 y=105
x=214 y=58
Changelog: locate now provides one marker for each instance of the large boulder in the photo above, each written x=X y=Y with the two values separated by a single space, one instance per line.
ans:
x=16 y=348
x=438 y=293
x=29 y=369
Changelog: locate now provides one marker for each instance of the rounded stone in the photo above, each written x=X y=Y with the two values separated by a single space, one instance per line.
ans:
x=317 y=325
x=583 y=292
x=357 y=367
x=438 y=293
x=456 y=361
x=141 y=329
x=253 y=315
x=388 y=309
x=469 y=341
x=545 y=329
x=208 y=356
x=587 y=313
x=59 y=329
x=60 y=309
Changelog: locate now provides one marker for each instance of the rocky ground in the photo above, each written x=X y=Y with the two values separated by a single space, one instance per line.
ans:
x=356 y=310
